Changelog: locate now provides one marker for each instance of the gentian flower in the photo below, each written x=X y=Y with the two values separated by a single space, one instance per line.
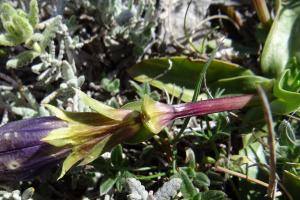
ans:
x=82 y=137
x=22 y=153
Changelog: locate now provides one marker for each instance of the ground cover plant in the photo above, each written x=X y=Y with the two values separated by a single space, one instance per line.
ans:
x=150 y=99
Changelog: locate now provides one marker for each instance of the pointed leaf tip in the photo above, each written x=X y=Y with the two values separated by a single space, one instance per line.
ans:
x=70 y=161
x=101 y=108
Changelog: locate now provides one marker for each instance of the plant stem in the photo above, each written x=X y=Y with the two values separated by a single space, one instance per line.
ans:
x=211 y=106
x=202 y=108
x=196 y=92
x=243 y=176
x=150 y=177
x=262 y=12
x=271 y=143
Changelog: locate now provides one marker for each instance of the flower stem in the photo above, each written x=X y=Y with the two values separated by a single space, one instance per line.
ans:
x=262 y=12
x=211 y=106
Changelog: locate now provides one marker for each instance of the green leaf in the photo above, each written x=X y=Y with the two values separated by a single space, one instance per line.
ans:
x=22 y=59
x=190 y=158
x=23 y=27
x=22 y=13
x=3 y=52
x=12 y=30
x=291 y=183
x=287 y=135
x=6 y=12
x=283 y=41
x=187 y=189
x=179 y=77
x=112 y=86
x=33 y=15
x=107 y=184
x=254 y=152
x=213 y=195
x=197 y=196
x=116 y=156
x=246 y=163
x=201 y=180
x=10 y=40
x=28 y=193
x=282 y=92
x=288 y=100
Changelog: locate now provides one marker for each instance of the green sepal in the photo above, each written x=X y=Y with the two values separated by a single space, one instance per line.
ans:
x=96 y=151
x=101 y=108
x=70 y=161
x=87 y=118
x=142 y=135
x=135 y=105
x=87 y=152
x=81 y=127
x=156 y=115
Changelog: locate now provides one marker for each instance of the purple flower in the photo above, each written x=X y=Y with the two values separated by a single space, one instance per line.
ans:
x=22 y=153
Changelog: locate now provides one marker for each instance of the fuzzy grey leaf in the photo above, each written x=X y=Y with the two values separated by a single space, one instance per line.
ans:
x=24 y=111
x=168 y=190
x=49 y=32
x=22 y=59
x=28 y=193
x=136 y=190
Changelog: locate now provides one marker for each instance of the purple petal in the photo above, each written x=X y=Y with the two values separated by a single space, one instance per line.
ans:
x=27 y=133
x=23 y=163
x=22 y=153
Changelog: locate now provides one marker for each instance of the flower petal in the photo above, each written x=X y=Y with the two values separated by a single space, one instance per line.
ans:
x=26 y=133
x=23 y=163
